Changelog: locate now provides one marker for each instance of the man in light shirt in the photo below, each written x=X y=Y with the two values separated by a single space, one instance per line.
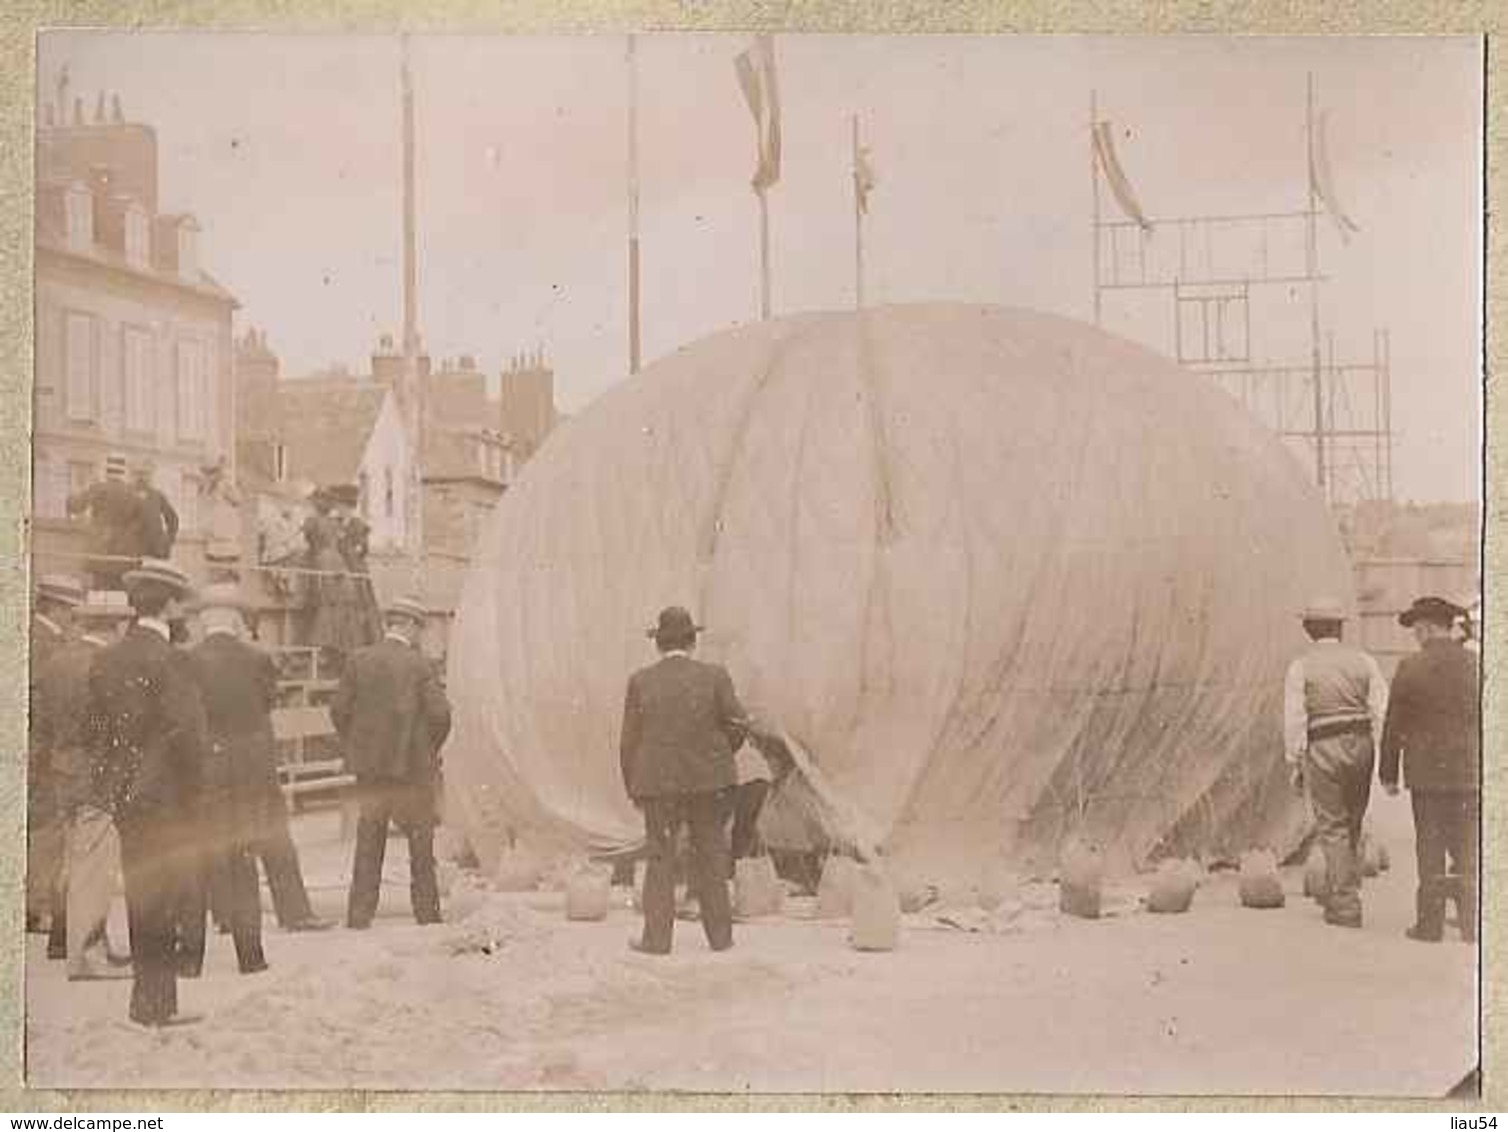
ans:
x=1334 y=702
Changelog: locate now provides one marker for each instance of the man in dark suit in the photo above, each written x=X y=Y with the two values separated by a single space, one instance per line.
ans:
x=115 y=524
x=393 y=717
x=238 y=684
x=51 y=630
x=147 y=742
x=1434 y=728
x=681 y=724
x=157 y=520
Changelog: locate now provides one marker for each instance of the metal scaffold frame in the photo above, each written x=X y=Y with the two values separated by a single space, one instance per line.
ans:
x=1335 y=416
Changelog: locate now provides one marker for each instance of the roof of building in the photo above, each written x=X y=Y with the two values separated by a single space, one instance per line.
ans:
x=323 y=424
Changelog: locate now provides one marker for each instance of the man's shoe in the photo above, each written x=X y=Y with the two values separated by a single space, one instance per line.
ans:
x=175 y=1020
x=357 y=925
x=639 y=946
x=1341 y=920
x=1419 y=935
x=311 y=924
x=254 y=968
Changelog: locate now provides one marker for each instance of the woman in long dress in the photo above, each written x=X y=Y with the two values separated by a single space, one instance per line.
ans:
x=336 y=621
x=353 y=543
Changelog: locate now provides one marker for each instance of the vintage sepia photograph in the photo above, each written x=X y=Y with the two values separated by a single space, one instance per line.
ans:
x=756 y=563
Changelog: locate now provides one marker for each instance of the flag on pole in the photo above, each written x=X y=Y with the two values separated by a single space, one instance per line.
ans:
x=756 y=78
x=1322 y=182
x=863 y=177
x=1115 y=176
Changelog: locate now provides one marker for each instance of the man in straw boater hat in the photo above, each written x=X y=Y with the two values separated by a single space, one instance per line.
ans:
x=1334 y=700
x=681 y=724
x=147 y=742
x=53 y=605
x=114 y=534
x=91 y=850
x=393 y=717
x=238 y=684
x=1434 y=730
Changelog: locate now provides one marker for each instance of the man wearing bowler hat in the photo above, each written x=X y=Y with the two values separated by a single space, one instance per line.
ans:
x=1334 y=700
x=147 y=742
x=681 y=724
x=57 y=596
x=1433 y=730
x=91 y=850
x=393 y=718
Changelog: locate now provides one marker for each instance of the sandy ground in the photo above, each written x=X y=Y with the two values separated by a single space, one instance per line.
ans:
x=1221 y=1000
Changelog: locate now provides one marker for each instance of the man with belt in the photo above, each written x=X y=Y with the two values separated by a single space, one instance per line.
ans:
x=1334 y=701
x=91 y=849
x=681 y=724
x=52 y=609
x=1434 y=729
x=393 y=718
x=147 y=742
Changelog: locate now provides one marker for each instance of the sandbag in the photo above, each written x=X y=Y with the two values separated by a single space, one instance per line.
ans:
x=876 y=923
x=1316 y=876
x=757 y=891
x=1172 y=888
x=835 y=889
x=1261 y=886
x=588 y=894
x=1081 y=881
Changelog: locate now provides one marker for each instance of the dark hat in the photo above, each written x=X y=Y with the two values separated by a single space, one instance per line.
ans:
x=344 y=493
x=675 y=623
x=1435 y=610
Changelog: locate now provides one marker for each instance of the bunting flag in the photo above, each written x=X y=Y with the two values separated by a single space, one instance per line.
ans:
x=863 y=177
x=756 y=78
x=1115 y=176
x=1322 y=183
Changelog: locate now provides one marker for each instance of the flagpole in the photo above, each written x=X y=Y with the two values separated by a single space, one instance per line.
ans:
x=858 y=223
x=415 y=409
x=633 y=209
x=1314 y=332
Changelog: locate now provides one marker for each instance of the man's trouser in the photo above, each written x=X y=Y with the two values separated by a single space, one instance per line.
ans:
x=151 y=851
x=412 y=809
x=44 y=861
x=705 y=814
x=290 y=899
x=1338 y=771
x=1446 y=825
x=93 y=864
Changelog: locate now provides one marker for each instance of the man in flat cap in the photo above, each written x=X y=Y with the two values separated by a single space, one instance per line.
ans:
x=1334 y=701
x=59 y=738
x=57 y=596
x=238 y=684
x=147 y=743
x=681 y=724
x=1434 y=730
x=393 y=717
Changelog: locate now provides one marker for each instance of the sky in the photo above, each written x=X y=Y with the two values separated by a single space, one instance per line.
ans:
x=287 y=149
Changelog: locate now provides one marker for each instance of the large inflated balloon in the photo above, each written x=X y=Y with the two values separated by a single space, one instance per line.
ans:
x=1005 y=577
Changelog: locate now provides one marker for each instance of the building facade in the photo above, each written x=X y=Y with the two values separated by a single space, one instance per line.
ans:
x=133 y=336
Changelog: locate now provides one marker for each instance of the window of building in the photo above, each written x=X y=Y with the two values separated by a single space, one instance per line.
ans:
x=190 y=390
x=280 y=463
x=138 y=237
x=80 y=355
x=79 y=217
x=387 y=477
x=136 y=378
x=49 y=487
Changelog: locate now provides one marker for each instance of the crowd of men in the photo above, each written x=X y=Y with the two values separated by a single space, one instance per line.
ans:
x=165 y=755
x=156 y=761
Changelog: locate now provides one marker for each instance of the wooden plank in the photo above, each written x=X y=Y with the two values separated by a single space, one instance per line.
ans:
x=290 y=723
